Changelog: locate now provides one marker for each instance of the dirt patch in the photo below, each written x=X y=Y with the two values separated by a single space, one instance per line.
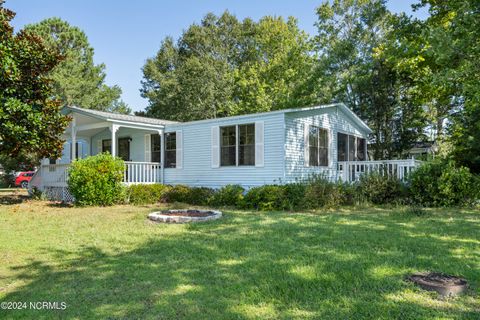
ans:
x=444 y=284
x=187 y=213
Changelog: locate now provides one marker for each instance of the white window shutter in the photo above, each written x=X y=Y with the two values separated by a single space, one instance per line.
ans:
x=215 y=147
x=67 y=152
x=179 y=151
x=259 y=144
x=306 y=145
x=148 y=148
x=99 y=146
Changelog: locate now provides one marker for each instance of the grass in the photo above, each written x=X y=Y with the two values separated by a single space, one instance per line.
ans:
x=343 y=264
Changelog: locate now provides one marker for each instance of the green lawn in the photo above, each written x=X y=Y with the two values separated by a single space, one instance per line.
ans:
x=344 y=264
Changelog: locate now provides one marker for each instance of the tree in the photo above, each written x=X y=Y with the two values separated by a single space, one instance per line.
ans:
x=30 y=120
x=454 y=45
x=354 y=67
x=77 y=80
x=224 y=67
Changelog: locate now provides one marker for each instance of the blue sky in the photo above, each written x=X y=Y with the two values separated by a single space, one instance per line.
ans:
x=126 y=33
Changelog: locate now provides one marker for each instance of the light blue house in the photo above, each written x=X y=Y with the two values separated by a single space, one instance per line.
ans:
x=256 y=149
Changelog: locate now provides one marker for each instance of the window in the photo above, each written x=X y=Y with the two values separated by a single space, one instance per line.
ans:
x=76 y=150
x=361 y=147
x=228 y=146
x=244 y=155
x=351 y=148
x=246 y=145
x=155 y=147
x=342 y=146
x=170 y=150
x=107 y=145
x=123 y=148
x=52 y=161
x=318 y=146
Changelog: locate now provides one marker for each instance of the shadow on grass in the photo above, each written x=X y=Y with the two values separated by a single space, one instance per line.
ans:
x=13 y=198
x=259 y=266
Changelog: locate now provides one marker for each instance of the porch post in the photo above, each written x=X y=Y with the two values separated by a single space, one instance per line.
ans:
x=73 y=149
x=162 y=154
x=114 y=128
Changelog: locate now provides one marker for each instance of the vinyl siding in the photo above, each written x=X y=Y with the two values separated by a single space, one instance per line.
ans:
x=333 y=119
x=197 y=155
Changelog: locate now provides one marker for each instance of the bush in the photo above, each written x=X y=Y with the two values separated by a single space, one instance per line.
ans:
x=265 y=198
x=320 y=192
x=145 y=193
x=230 y=196
x=178 y=193
x=294 y=196
x=381 y=189
x=200 y=196
x=442 y=183
x=97 y=180
x=190 y=195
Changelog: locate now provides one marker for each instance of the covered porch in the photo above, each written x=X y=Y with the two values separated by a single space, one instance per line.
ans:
x=137 y=140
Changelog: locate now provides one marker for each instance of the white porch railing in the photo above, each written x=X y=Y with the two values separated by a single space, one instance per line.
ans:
x=56 y=175
x=142 y=172
x=350 y=171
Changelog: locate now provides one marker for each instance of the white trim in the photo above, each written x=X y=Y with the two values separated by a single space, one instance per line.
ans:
x=93 y=126
x=354 y=117
x=215 y=146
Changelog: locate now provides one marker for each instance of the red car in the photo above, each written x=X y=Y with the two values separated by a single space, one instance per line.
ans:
x=23 y=178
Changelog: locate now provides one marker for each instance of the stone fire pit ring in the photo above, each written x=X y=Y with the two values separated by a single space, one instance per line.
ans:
x=444 y=284
x=184 y=216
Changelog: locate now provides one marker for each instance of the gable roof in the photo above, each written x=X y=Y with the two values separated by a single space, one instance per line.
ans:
x=152 y=121
x=342 y=106
x=103 y=115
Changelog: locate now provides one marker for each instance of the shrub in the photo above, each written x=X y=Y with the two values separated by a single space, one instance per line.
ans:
x=145 y=193
x=442 y=183
x=190 y=195
x=97 y=180
x=265 y=198
x=294 y=196
x=200 y=196
x=229 y=195
x=381 y=189
x=320 y=192
x=178 y=193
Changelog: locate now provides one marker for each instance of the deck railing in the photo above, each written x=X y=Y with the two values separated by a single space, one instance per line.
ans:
x=350 y=171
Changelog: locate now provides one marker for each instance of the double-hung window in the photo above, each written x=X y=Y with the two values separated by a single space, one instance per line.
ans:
x=107 y=145
x=155 y=147
x=237 y=145
x=317 y=147
x=171 y=150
